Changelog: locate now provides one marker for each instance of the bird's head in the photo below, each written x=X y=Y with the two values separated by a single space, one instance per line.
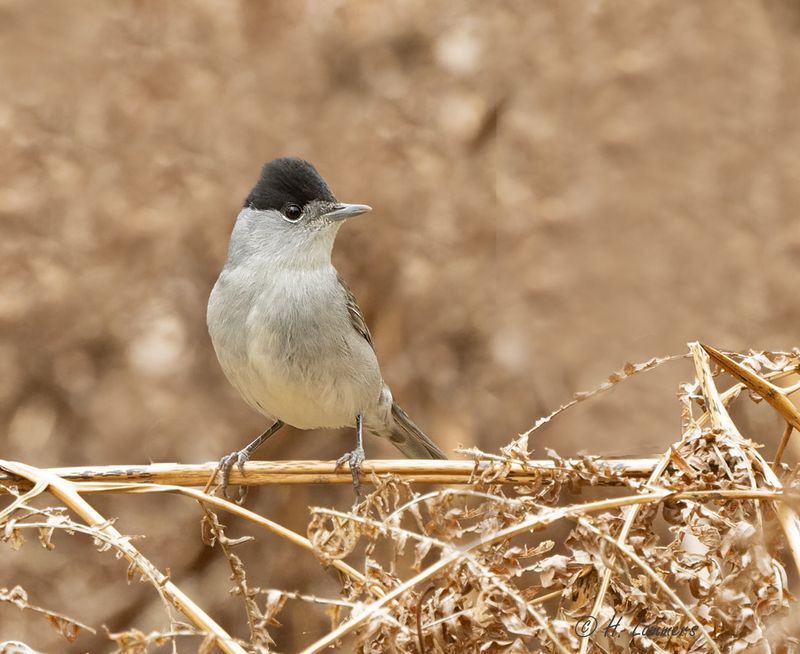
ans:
x=291 y=213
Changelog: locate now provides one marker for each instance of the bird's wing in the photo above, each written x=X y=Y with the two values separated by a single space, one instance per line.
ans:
x=356 y=317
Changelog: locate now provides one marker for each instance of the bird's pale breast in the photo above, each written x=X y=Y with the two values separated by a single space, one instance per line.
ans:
x=285 y=341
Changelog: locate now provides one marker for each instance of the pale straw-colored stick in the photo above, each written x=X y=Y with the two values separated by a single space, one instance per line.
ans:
x=222 y=504
x=789 y=521
x=533 y=523
x=65 y=491
x=261 y=473
x=712 y=414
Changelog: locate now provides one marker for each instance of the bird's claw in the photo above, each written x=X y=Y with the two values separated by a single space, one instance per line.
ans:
x=354 y=459
x=237 y=458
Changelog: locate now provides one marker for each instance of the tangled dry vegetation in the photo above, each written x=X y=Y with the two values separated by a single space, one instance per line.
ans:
x=694 y=558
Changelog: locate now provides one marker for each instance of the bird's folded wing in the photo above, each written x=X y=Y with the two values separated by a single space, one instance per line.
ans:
x=356 y=317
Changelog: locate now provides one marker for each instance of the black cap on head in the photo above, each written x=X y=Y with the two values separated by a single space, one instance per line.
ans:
x=288 y=181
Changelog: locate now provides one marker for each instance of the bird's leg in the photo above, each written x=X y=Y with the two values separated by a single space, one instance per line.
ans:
x=356 y=457
x=240 y=457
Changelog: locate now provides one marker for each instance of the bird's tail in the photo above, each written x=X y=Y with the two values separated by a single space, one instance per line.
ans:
x=410 y=439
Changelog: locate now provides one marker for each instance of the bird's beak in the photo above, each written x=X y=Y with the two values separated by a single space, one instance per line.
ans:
x=341 y=211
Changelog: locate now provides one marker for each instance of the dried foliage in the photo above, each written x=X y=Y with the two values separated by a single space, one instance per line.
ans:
x=695 y=559
x=557 y=187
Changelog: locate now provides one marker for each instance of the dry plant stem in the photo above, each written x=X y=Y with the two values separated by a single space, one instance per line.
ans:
x=313 y=599
x=790 y=524
x=38 y=488
x=786 y=516
x=787 y=432
x=718 y=415
x=533 y=523
x=774 y=395
x=633 y=556
x=230 y=507
x=541 y=599
x=445 y=547
x=652 y=364
x=731 y=393
x=630 y=518
x=721 y=419
x=218 y=532
x=451 y=491
x=638 y=369
x=51 y=615
x=633 y=511
x=65 y=491
x=258 y=473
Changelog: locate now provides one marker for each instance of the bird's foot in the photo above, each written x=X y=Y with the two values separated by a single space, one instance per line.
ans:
x=237 y=458
x=354 y=459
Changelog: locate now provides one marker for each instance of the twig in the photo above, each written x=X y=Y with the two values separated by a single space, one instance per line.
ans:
x=18 y=597
x=787 y=432
x=385 y=526
x=718 y=414
x=422 y=598
x=230 y=507
x=38 y=489
x=531 y=524
x=714 y=410
x=790 y=523
x=66 y=492
x=627 y=372
x=259 y=473
x=774 y=395
x=304 y=597
x=633 y=556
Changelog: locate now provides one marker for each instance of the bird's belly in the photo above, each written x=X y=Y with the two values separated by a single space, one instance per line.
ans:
x=319 y=392
x=290 y=360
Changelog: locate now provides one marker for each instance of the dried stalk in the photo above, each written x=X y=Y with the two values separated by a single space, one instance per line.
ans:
x=260 y=473
x=17 y=597
x=787 y=432
x=534 y=523
x=715 y=411
x=790 y=523
x=774 y=395
x=627 y=551
x=233 y=508
x=447 y=547
x=520 y=515
x=65 y=491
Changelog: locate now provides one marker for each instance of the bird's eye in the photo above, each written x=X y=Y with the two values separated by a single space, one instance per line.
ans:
x=292 y=212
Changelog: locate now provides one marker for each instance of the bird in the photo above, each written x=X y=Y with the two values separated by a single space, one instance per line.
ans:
x=286 y=328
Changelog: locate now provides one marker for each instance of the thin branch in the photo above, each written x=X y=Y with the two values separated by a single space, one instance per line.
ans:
x=235 y=509
x=718 y=414
x=385 y=526
x=38 y=489
x=787 y=432
x=627 y=372
x=774 y=395
x=18 y=597
x=715 y=413
x=260 y=473
x=633 y=556
x=530 y=524
x=65 y=491
x=790 y=523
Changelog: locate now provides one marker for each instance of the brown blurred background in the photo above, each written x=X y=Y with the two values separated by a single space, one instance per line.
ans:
x=558 y=188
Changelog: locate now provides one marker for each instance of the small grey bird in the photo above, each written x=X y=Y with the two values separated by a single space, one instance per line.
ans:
x=287 y=330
